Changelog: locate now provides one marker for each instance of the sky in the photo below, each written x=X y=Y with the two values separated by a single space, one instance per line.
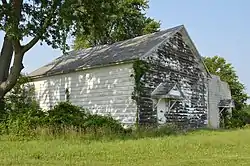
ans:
x=216 y=27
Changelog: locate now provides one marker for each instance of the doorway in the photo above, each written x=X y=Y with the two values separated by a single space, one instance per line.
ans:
x=164 y=108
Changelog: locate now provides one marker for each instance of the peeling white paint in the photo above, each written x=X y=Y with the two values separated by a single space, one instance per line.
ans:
x=102 y=91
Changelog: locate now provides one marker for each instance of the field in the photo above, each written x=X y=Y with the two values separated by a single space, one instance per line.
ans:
x=227 y=148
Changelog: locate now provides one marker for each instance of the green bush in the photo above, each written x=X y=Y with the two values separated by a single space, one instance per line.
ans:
x=21 y=96
x=238 y=119
x=246 y=109
x=65 y=114
x=94 y=122
x=21 y=113
x=23 y=121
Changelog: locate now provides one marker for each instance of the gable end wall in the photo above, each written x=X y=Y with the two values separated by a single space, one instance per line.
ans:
x=174 y=61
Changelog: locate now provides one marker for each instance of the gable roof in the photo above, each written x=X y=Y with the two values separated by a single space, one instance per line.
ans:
x=106 y=54
x=119 y=52
x=164 y=89
x=227 y=103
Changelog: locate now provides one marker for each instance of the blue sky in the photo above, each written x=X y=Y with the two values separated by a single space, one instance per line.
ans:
x=216 y=27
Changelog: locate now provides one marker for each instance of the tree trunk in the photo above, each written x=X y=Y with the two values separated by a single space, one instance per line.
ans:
x=9 y=76
x=2 y=106
x=5 y=61
x=2 y=110
x=14 y=74
x=1 y=97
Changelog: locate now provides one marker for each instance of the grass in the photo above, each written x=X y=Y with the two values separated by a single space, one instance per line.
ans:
x=222 y=148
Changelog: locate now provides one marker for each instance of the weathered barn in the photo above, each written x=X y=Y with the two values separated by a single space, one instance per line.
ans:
x=151 y=79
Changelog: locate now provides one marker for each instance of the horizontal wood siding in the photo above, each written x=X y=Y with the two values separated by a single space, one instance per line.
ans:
x=105 y=90
x=174 y=62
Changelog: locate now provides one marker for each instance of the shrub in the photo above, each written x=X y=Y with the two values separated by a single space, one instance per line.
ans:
x=21 y=96
x=239 y=119
x=65 y=114
x=23 y=121
x=94 y=122
x=246 y=109
x=21 y=113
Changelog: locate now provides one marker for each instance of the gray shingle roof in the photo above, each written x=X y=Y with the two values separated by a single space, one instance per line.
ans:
x=163 y=91
x=107 y=54
x=226 y=103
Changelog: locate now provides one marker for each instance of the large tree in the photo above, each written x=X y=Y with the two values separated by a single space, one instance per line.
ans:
x=49 y=21
x=129 y=21
x=219 y=66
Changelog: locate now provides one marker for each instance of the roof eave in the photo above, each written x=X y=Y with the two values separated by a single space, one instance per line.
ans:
x=82 y=69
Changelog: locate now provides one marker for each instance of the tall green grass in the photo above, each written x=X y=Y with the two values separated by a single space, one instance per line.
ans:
x=98 y=133
x=227 y=148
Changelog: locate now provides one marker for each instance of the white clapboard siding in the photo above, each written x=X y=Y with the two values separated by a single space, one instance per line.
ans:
x=105 y=90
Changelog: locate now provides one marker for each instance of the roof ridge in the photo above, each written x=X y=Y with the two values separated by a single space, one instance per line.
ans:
x=137 y=37
x=126 y=50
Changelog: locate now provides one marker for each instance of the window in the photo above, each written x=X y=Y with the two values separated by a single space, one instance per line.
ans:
x=67 y=94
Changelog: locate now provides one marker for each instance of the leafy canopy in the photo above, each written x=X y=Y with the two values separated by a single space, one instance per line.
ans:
x=218 y=66
x=129 y=21
x=52 y=20
x=49 y=21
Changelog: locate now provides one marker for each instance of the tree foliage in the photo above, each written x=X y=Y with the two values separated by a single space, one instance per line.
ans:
x=218 y=66
x=21 y=96
x=49 y=21
x=129 y=21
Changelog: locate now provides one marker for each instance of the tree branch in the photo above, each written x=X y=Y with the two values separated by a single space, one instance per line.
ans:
x=33 y=41
x=4 y=2
x=43 y=28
